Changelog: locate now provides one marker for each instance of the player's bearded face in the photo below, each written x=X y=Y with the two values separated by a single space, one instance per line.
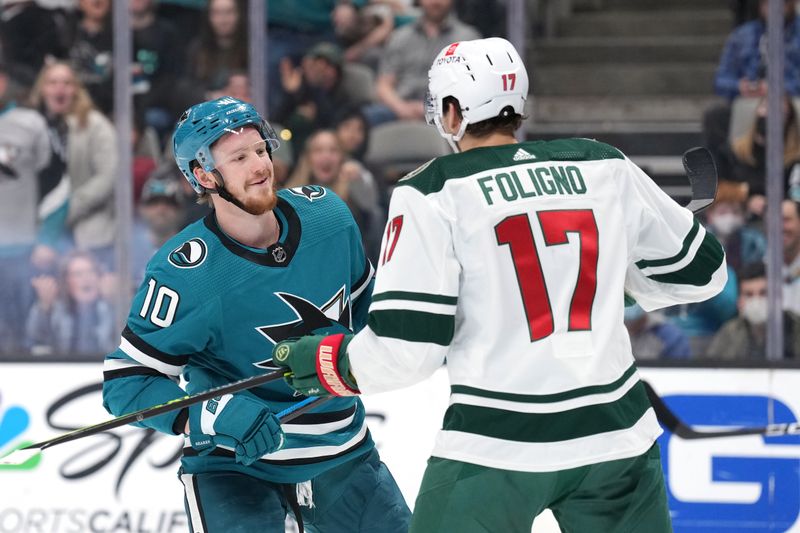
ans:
x=244 y=162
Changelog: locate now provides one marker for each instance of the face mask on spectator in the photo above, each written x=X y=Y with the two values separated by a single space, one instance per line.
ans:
x=754 y=310
x=727 y=223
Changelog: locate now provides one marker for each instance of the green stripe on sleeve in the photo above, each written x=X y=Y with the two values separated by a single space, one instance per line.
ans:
x=699 y=272
x=549 y=427
x=413 y=326
x=687 y=242
x=546 y=398
x=416 y=297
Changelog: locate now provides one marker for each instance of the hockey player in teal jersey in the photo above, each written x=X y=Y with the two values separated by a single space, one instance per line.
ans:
x=263 y=267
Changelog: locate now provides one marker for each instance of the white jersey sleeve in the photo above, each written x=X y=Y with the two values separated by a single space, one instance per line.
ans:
x=412 y=315
x=673 y=259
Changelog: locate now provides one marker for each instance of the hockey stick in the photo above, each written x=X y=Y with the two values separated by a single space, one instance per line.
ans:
x=702 y=173
x=675 y=425
x=22 y=455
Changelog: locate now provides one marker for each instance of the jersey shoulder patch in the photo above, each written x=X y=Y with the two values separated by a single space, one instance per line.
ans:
x=190 y=254
x=309 y=192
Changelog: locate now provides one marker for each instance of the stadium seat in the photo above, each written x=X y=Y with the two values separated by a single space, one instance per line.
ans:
x=396 y=148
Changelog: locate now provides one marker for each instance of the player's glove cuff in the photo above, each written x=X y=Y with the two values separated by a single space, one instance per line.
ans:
x=318 y=364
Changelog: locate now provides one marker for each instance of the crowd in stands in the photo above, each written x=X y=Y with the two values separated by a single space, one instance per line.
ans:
x=338 y=71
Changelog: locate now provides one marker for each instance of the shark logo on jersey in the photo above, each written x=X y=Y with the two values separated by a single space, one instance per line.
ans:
x=334 y=316
x=309 y=192
x=190 y=254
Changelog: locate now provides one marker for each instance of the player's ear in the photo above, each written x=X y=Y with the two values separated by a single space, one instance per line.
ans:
x=451 y=117
x=206 y=179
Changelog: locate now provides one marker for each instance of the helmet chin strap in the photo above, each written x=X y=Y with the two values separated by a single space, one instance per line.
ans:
x=224 y=193
x=451 y=138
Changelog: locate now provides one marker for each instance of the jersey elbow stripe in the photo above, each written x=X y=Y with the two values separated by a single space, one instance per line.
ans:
x=363 y=282
x=700 y=270
x=139 y=350
x=583 y=421
x=413 y=326
x=690 y=238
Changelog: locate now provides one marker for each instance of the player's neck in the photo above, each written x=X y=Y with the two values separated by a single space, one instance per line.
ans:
x=468 y=142
x=256 y=231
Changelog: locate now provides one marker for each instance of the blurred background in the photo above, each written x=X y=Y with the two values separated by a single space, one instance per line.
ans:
x=91 y=89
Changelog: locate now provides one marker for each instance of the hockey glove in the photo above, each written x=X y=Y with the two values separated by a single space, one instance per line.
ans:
x=318 y=365
x=239 y=422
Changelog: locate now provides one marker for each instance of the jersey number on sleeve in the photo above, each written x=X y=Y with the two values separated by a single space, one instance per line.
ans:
x=164 y=298
x=515 y=231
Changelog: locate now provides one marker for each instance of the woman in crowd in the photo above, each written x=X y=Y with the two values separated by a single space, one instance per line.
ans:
x=85 y=141
x=323 y=162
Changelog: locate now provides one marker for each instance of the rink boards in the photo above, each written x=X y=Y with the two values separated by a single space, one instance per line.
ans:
x=126 y=481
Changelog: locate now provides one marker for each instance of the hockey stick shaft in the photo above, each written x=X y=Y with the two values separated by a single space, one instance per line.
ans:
x=157 y=410
x=675 y=425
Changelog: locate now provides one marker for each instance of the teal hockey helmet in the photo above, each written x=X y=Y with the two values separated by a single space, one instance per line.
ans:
x=203 y=124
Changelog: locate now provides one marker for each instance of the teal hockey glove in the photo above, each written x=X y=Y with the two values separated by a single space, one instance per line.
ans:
x=238 y=422
x=318 y=365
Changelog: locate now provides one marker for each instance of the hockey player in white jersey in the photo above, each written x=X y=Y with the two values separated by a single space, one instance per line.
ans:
x=510 y=261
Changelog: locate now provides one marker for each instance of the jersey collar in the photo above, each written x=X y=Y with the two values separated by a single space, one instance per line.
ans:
x=279 y=254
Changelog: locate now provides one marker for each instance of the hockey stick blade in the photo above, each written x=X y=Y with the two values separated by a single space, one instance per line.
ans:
x=677 y=427
x=144 y=414
x=702 y=173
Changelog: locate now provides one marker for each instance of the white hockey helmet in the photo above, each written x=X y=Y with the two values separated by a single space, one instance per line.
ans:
x=485 y=76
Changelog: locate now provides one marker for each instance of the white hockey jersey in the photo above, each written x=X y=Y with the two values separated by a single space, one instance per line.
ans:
x=511 y=263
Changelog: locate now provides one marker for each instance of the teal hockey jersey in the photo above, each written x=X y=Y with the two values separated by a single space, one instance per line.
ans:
x=211 y=309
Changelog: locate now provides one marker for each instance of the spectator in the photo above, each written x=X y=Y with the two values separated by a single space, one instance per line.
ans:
x=323 y=163
x=73 y=317
x=29 y=35
x=363 y=31
x=791 y=256
x=87 y=142
x=726 y=220
x=352 y=130
x=160 y=217
x=744 y=337
x=145 y=156
x=218 y=50
x=653 y=336
x=295 y=27
x=489 y=18
x=742 y=72
x=749 y=150
x=701 y=321
x=316 y=92
x=91 y=52
x=156 y=64
x=403 y=74
x=24 y=153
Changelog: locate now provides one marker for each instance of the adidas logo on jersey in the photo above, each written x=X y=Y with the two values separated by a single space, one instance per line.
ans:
x=522 y=155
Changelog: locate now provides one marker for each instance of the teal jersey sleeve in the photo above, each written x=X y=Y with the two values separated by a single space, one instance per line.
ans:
x=168 y=323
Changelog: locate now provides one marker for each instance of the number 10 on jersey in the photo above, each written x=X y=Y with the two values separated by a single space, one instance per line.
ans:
x=515 y=231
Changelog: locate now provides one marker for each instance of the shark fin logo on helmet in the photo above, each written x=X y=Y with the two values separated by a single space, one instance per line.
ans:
x=309 y=192
x=190 y=254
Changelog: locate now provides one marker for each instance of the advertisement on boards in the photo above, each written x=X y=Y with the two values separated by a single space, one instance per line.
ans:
x=126 y=480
